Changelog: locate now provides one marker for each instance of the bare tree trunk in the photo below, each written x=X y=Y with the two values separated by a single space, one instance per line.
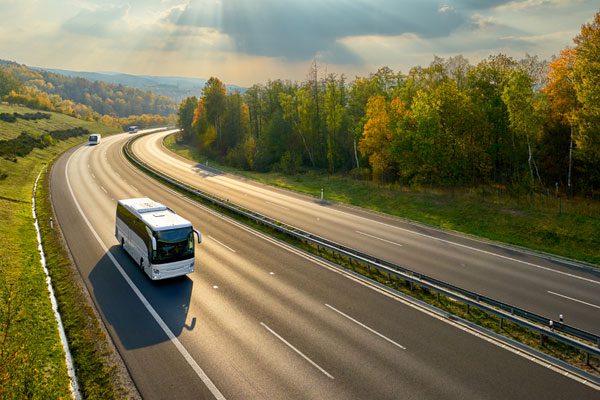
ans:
x=356 y=155
x=530 y=158
x=570 y=161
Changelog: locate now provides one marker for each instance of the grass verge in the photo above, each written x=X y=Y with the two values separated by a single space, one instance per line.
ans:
x=508 y=329
x=32 y=363
x=98 y=371
x=564 y=227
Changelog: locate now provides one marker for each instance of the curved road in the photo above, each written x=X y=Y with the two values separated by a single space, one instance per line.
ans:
x=261 y=320
x=538 y=284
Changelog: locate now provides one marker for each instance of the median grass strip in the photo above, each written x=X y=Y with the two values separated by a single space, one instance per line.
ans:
x=565 y=227
x=508 y=329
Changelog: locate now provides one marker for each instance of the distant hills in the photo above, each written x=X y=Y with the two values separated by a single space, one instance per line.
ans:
x=177 y=88
x=43 y=89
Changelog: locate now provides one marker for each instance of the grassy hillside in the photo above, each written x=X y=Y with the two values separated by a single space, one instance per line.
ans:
x=31 y=358
x=10 y=130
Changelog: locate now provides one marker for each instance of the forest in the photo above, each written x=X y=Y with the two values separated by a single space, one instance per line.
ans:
x=112 y=105
x=525 y=124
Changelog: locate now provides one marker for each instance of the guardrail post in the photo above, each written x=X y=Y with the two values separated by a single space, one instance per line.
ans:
x=468 y=308
x=501 y=323
x=438 y=297
x=542 y=337
x=587 y=358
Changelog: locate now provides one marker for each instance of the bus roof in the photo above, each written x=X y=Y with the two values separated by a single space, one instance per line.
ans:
x=155 y=215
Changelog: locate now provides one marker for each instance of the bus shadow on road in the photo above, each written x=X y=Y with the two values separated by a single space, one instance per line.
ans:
x=126 y=316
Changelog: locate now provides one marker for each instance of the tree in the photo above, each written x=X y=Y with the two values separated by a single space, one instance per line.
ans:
x=557 y=139
x=524 y=120
x=186 y=116
x=485 y=85
x=214 y=99
x=8 y=83
x=586 y=80
x=335 y=118
x=377 y=136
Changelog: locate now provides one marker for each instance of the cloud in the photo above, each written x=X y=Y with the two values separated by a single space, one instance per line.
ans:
x=302 y=30
x=98 y=21
x=517 y=5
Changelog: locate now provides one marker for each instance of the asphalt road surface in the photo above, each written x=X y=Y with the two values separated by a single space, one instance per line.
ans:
x=538 y=284
x=260 y=320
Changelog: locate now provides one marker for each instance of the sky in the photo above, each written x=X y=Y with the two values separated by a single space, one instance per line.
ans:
x=251 y=41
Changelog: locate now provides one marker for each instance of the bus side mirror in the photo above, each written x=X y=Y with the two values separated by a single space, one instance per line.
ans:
x=199 y=235
x=153 y=243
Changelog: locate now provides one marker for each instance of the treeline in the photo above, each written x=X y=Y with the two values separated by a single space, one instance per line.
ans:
x=519 y=123
x=22 y=145
x=16 y=91
x=103 y=98
x=8 y=117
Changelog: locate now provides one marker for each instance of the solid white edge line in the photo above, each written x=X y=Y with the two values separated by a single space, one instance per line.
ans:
x=222 y=244
x=366 y=327
x=73 y=383
x=314 y=364
x=573 y=299
x=182 y=350
x=378 y=238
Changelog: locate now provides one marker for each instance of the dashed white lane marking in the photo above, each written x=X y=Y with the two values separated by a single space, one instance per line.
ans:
x=222 y=244
x=102 y=187
x=314 y=364
x=182 y=350
x=571 y=298
x=378 y=238
x=276 y=205
x=366 y=327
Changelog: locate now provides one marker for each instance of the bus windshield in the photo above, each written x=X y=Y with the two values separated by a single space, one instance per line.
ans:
x=173 y=245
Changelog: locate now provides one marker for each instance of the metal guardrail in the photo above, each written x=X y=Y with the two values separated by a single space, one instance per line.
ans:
x=502 y=310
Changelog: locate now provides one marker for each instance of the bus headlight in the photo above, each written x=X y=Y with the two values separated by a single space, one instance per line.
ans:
x=156 y=272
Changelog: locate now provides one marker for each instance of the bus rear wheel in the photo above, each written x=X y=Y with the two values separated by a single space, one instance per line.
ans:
x=142 y=263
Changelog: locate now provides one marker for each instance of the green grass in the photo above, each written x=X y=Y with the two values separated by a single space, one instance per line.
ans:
x=57 y=121
x=31 y=358
x=564 y=227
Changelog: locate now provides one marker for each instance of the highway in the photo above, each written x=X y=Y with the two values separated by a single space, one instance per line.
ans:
x=258 y=319
x=545 y=286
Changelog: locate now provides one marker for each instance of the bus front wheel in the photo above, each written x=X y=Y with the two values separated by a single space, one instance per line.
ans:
x=142 y=263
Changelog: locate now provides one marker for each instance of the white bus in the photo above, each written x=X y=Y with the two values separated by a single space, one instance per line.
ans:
x=94 y=138
x=160 y=241
x=132 y=129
